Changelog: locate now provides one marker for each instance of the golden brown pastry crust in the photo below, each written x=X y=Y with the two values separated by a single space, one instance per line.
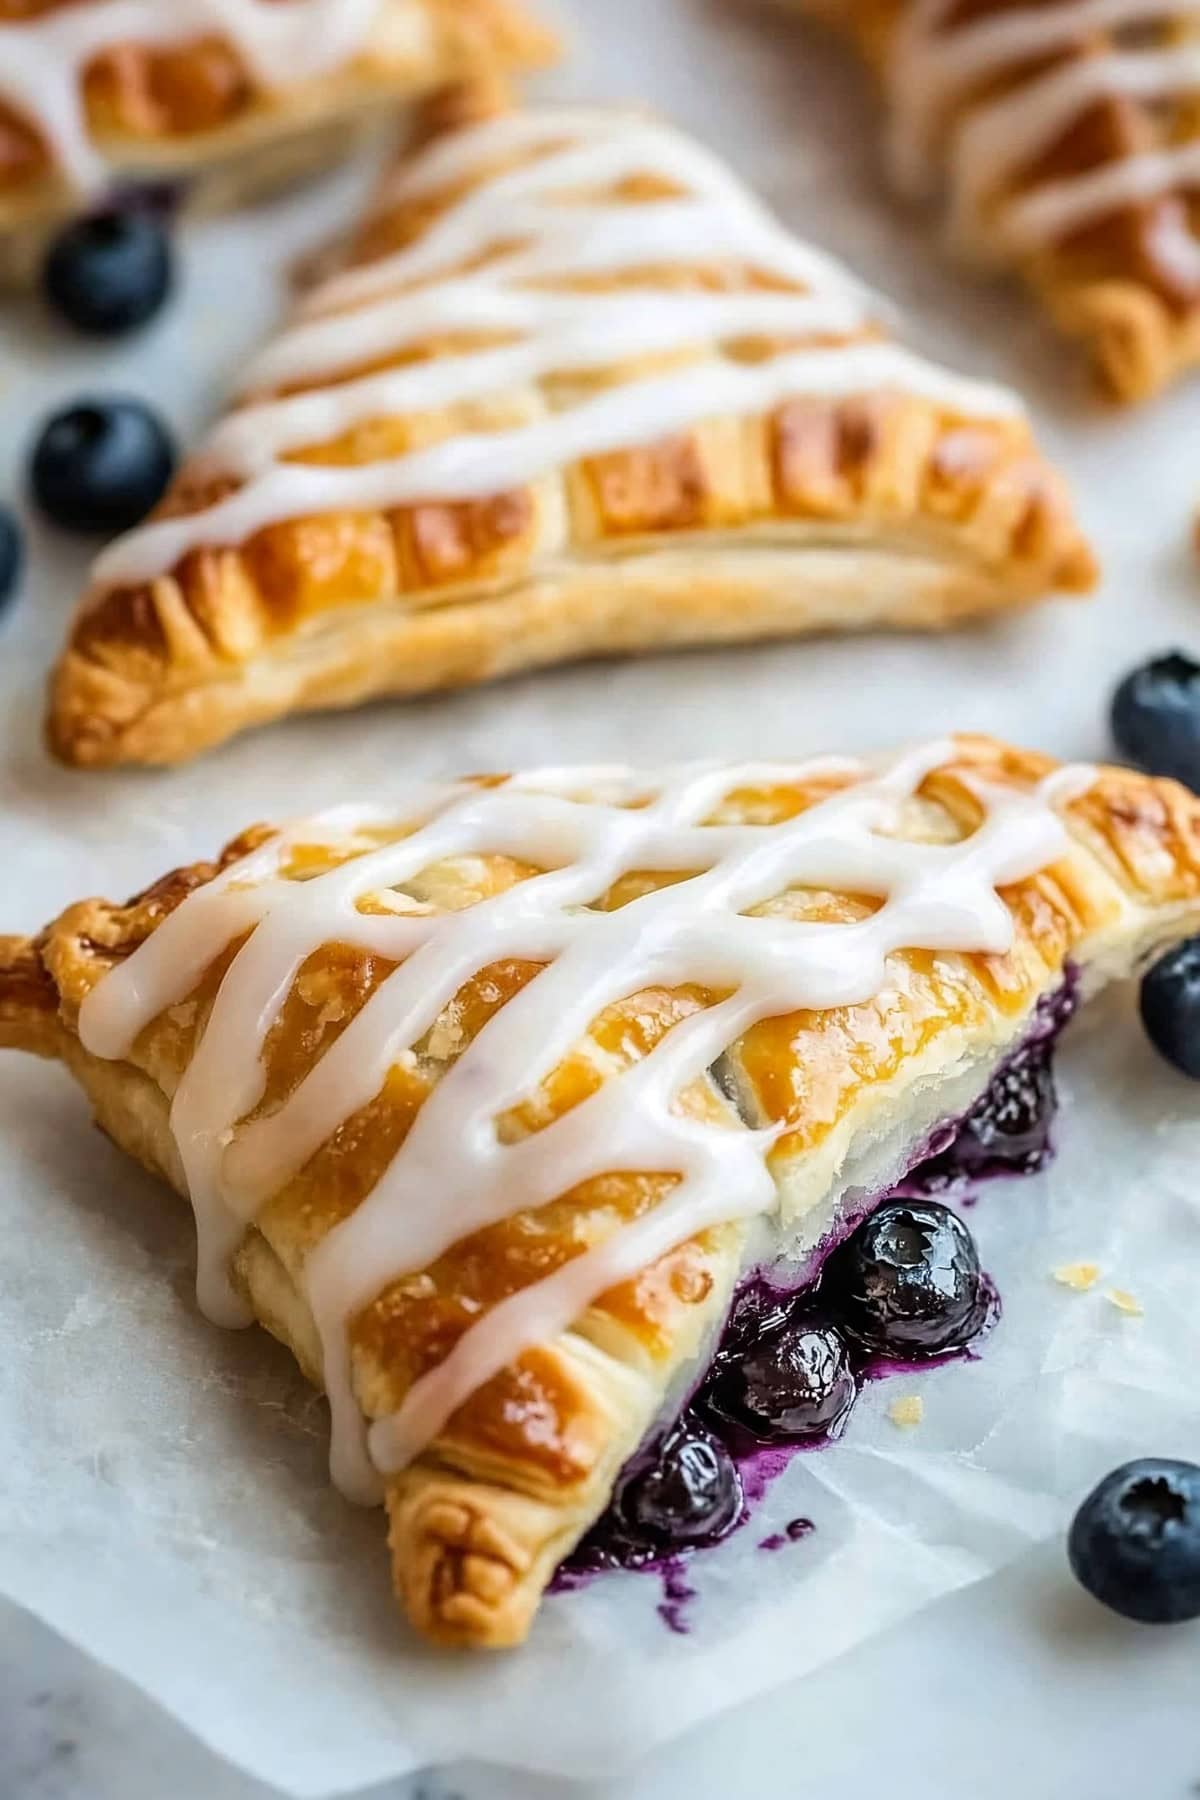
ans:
x=1111 y=285
x=885 y=509
x=480 y=1521
x=192 y=115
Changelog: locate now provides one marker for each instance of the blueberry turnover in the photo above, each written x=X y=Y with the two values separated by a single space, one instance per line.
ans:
x=574 y=392
x=201 y=102
x=488 y=1100
x=1062 y=138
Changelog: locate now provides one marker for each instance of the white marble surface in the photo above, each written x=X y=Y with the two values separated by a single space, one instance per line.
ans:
x=1017 y=1686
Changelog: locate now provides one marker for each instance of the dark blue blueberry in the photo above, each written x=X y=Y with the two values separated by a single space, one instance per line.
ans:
x=100 y=466
x=1156 y=717
x=11 y=556
x=1135 y=1541
x=796 y=1383
x=908 y=1281
x=1010 y=1126
x=110 y=272
x=1171 y=1007
x=690 y=1495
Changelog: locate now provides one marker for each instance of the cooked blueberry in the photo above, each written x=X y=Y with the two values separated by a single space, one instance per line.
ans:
x=690 y=1494
x=110 y=272
x=797 y=1383
x=1135 y=1541
x=908 y=1281
x=101 y=466
x=1171 y=1007
x=1156 y=717
x=757 y=1310
x=11 y=556
x=1009 y=1126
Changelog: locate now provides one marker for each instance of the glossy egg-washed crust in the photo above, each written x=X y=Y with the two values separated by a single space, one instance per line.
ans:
x=193 y=115
x=824 y=515
x=479 y=1523
x=1135 y=308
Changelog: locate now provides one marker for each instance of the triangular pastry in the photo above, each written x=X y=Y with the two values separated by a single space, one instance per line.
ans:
x=487 y=1101
x=214 y=99
x=1064 y=139
x=574 y=392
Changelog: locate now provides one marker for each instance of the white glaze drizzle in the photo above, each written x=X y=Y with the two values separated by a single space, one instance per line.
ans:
x=43 y=61
x=453 y=1176
x=935 y=68
x=516 y=233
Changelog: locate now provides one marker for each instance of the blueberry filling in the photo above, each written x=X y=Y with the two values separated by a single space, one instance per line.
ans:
x=794 y=1532
x=908 y=1281
x=1008 y=1132
x=686 y=1494
x=904 y=1287
x=796 y=1383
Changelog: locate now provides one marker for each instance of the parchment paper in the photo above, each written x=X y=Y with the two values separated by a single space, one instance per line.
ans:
x=164 y=1501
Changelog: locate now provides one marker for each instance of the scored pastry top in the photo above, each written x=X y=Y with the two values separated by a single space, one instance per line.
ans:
x=702 y=916
x=540 y=279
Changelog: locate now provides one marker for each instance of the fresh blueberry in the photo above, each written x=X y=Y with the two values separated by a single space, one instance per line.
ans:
x=691 y=1494
x=1135 y=1541
x=1009 y=1126
x=908 y=1280
x=100 y=466
x=11 y=556
x=797 y=1383
x=1156 y=717
x=110 y=272
x=1171 y=1007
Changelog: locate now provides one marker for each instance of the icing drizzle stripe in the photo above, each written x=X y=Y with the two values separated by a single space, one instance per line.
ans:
x=584 y=829
x=501 y=265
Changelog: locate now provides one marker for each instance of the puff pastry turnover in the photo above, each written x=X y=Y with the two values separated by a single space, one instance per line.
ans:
x=1064 y=136
x=573 y=392
x=217 y=98
x=485 y=1102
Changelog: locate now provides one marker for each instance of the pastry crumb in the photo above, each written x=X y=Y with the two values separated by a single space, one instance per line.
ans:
x=1078 y=1276
x=1125 y=1302
x=908 y=1410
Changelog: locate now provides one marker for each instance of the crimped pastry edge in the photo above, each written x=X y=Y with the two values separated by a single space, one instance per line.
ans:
x=618 y=605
